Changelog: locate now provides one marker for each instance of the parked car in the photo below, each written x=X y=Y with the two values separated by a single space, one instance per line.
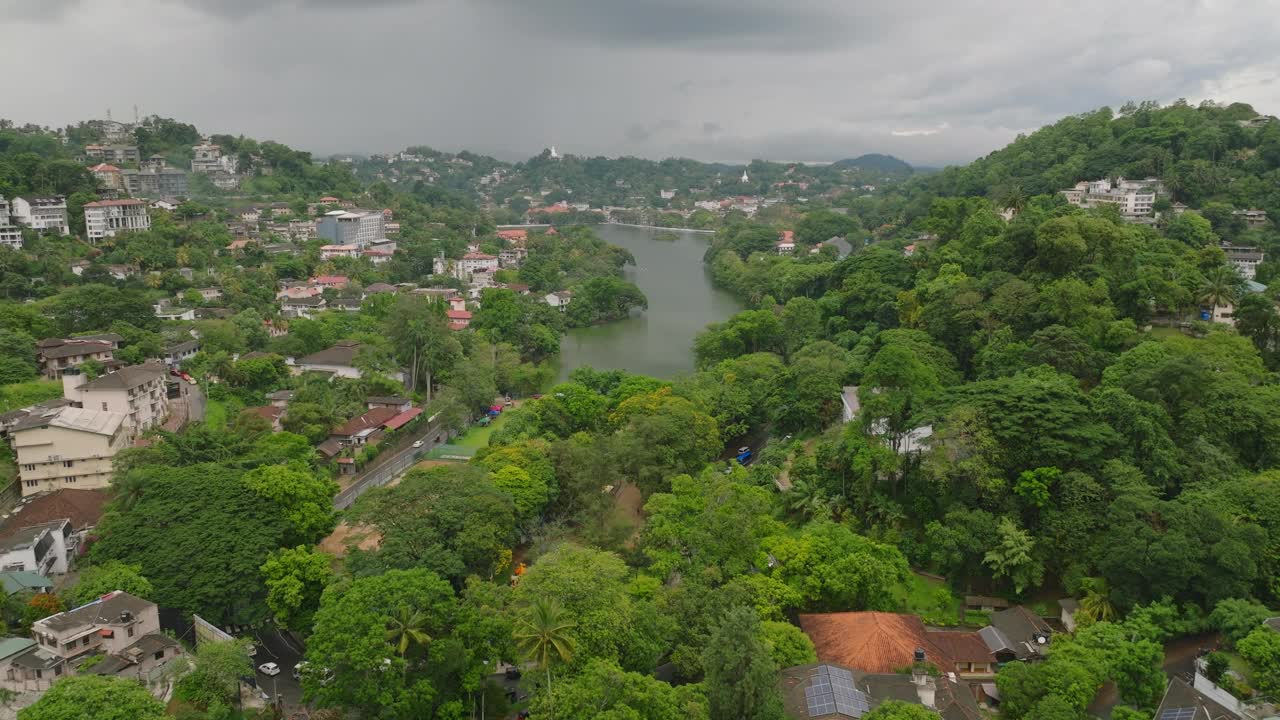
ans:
x=417 y=443
x=269 y=668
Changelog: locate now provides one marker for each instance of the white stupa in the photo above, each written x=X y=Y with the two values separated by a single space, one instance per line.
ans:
x=554 y=155
x=744 y=176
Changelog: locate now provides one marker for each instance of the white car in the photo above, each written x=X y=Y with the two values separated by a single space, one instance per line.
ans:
x=417 y=443
x=269 y=668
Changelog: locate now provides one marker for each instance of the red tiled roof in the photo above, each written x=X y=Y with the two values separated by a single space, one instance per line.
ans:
x=267 y=412
x=513 y=234
x=372 y=419
x=112 y=203
x=82 y=507
x=329 y=199
x=458 y=314
x=787 y=236
x=330 y=279
x=880 y=642
x=550 y=209
x=399 y=421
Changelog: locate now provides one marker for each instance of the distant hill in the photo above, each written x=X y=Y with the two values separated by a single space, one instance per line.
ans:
x=877 y=162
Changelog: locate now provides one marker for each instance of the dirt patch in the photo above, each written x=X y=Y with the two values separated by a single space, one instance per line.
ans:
x=628 y=507
x=344 y=536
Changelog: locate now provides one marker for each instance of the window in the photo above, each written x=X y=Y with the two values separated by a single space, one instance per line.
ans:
x=68 y=463
x=159 y=655
x=104 y=406
x=130 y=632
x=32 y=483
x=85 y=641
x=68 y=479
x=29 y=467
x=57 y=670
x=39 y=674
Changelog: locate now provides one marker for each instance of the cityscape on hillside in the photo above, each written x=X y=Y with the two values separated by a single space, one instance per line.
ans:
x=961 y=401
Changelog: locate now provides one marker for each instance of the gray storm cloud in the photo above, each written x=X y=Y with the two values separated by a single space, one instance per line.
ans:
x=727 y=80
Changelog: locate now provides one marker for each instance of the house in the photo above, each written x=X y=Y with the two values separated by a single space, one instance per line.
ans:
x=912 y=441
x=559 y=300
x=67 y=447
x=366 y=429
x=399 y=404
x=280 y=398
x=108 y=176
x=1016 y=634
x=55 y=355
x=303 y=307
x=120 y=272
x=166 y=204
x=786 y=244
x=379 y=288
x=113 y=153
x=166 y=311
x=43 y=214
x=209 y=293
x=10 y=234
x=336 y=282
x=27 y=668
x=124 y=628
x=345 y=304
x=337 y=360
x=1244 y=259
x=138 y=392
x=82 y=507
x=378 y=257
x=909 y=250
x=105 y=218
x=842 y=247
x=828 y=691
x=458 y=319
x=294 y=291
x=329 y=252
x=156 y=181
x=514 y=236
x=271 y=413
x=1185 y=702
x=207 y=159
x=512 y=256
x=879 y=642
x=474 y=262
x=44 y=548
x=1134 y=198
x=176 y=354
x=1252 y=218
x=24 y=581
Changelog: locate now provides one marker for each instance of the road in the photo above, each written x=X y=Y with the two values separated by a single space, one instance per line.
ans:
x=393 y=465
x=280 y=648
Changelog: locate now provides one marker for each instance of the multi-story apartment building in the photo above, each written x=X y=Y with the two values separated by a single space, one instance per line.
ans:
x=113 y=153
x=43 y=548
x=1135 y=198
x=156 y=182
x=1244 y=259
x=42 y=213
x=355 y=227
x=66 y=446
x=56 y=355
x=207 y=158
x=105 y=218
x=10 y=234
x=138 y=392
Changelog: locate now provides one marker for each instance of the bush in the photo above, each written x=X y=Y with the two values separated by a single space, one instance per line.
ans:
x=1215 y=666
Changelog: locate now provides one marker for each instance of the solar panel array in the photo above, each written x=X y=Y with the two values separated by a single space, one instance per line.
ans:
x=831 y=690
x=1181 y=713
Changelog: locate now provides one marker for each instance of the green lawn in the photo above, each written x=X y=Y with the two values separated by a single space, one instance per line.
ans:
x=932 y=600
x=215 y=414
x=477 y=437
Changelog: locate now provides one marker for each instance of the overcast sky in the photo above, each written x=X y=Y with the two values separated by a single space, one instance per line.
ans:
x=931 y=81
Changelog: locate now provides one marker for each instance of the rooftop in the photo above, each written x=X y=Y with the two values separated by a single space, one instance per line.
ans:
x=105 y=610
x=20 y=580
x=115 y=203
x=881 y=642
x=374 y=418
x=73 y=348
x=129 y=377
x=100 y=422
x=341 y=353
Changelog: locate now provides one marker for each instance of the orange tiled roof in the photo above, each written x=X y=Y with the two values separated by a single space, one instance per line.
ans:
x=879 y=642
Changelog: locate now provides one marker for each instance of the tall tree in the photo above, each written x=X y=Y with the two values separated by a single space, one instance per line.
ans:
x=97 y=697
x=543 y=635
x=741 y=677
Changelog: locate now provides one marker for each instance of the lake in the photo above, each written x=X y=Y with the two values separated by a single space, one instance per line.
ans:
x=682 y=301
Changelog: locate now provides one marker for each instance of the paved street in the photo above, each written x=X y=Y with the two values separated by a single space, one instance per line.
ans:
x=394 y=464
x=280 y=648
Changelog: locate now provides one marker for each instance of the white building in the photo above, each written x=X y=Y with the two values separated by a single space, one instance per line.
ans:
x=328 y=252
x=138 y=392
x=351 y=227
x=41 y=549
x=1134 y=198
x=465 y=268
x=105 y=218
x=10 y=234
x=559 y=300
x=208 y=159
x=64 y=446
x=1244 y=259
x=42 y=213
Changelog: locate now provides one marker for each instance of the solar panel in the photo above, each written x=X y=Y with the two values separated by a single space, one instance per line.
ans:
x=1182 y=713
x=831 y=690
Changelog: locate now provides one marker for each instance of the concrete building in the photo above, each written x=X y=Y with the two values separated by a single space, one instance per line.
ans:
x=10 y=234
x=1134 y=198
x=1252 y=218
x=559 y=300
x=105 y=218
x=338 y=360
x=67 y=447
x=109 y=176
x=113 y=153
x=46 y=214
x=328 y=252
x=207 y=158
x=124 y=628
x=1244 y=259
x=137 y=392
x=355 y=227
x=44 y=548
x=163 y=182
x=56 y=355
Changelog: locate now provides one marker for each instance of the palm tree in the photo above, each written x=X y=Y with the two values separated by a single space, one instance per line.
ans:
x=1220 y=287
x=1012 y=198
x=405 y=629
x=543 y=636
x=1096 y=604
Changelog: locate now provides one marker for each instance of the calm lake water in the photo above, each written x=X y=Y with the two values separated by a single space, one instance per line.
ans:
x=682 y=301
